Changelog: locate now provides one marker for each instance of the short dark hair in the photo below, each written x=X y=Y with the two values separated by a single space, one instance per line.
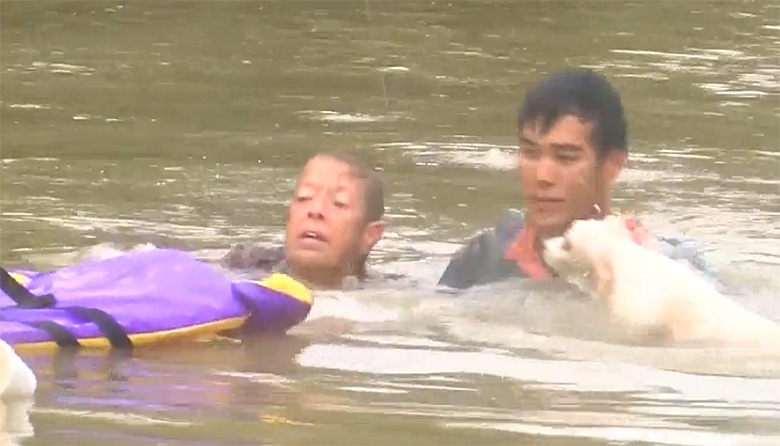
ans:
x=582 y=93
x=373 y=189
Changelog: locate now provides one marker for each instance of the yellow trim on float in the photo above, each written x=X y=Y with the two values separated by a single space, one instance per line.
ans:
x=282 y=283
x=157 y=337
x=20 y=278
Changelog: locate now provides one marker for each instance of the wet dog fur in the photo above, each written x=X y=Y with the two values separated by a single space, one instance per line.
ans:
x=16 y=378
x=645 y=290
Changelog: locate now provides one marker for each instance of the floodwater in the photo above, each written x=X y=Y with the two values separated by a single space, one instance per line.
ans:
x=185 y=123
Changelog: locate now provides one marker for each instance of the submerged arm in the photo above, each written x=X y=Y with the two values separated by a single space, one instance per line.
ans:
x=685 y=251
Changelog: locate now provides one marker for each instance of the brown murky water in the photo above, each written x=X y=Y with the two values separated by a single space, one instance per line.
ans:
x=184 y=123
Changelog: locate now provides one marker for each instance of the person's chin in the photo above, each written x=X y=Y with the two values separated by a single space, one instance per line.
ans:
x=308 y=258
x=550 y=225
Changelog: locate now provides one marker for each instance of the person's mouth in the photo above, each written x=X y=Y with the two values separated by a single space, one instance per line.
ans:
x=547 y=201
x=315 y=236
x=547 y=205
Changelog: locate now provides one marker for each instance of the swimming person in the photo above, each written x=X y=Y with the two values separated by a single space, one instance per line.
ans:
x=334 y=221
x=573 y=144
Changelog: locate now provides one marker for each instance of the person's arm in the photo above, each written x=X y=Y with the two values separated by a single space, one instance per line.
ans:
x=481 y=259
x=686 y=251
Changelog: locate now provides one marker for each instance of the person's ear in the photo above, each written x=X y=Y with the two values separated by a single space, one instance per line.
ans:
x=371 y=236
x=612 y=165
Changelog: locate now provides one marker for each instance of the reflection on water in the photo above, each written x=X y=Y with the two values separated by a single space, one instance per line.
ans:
x=15 y=423
x=184 y=123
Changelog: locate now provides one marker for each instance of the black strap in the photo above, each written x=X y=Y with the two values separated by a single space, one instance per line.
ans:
x=110 y=328
x=24 y=299
x=60 y=334
x=21 y=295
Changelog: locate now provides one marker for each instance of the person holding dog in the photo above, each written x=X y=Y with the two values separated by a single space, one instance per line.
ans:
x=333 y=222
x=573 y=144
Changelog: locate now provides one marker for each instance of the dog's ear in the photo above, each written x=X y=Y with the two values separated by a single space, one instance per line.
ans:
x=604 y=276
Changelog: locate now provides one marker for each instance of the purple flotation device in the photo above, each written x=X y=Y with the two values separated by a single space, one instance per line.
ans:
x=142 y=297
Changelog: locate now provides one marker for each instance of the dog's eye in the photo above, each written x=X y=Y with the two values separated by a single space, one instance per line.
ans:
x=566 y=245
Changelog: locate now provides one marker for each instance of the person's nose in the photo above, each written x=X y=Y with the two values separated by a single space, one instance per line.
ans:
x=316 y=209
x=545 y=171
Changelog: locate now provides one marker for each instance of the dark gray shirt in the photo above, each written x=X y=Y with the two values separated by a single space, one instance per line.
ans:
x=481 y=259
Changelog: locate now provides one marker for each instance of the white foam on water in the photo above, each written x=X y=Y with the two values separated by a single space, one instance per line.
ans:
x=662 y=435
x=711 y=57
x=261 y=378
x=349 y=308
x=373 y=390
x=120 y=418
x=394 y=69
x=412 y=386
x=574 y=376
x=472 y=154
x=397 y=340
x=30 y=106
x=334 y=116
x=63 y=68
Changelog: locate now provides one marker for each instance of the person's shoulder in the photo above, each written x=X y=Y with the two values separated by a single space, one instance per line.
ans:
x=510 y=223
x=481 y=258
x=253 y=256
x=502 y=231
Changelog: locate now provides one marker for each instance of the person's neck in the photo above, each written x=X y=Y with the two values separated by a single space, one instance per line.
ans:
x=597 y=212
x=324 y=279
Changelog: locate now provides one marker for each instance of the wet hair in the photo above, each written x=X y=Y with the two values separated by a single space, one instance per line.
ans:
x=582 y=93
x=373 y=189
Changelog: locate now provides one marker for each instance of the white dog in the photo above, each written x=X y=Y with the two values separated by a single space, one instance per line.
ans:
x=16 y=378
x=643 y=289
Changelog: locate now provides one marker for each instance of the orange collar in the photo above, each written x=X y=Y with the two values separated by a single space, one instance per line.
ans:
x=523 y=248
x=523 y=251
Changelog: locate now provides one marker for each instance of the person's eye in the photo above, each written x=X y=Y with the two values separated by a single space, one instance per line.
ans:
x=529 y=152
x=568 y=156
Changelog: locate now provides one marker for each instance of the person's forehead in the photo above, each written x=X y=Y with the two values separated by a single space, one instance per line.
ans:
x=328 y=172
x=568 y=127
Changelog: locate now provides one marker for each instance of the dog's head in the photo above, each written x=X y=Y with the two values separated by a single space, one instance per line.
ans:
x=581 y=254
